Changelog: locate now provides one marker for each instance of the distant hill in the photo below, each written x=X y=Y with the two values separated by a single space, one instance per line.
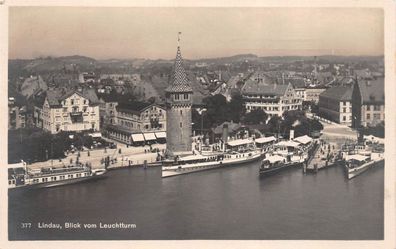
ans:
x=228 y=59
x=49 y=64
x=77 y=63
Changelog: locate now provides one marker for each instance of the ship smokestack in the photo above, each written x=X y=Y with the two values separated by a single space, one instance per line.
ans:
x=225 y=133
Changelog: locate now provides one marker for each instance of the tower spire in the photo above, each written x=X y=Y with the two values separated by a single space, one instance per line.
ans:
x=178 y=39
x=180 y=82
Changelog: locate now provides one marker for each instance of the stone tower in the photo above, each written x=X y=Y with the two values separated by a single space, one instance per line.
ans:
x=178 y=111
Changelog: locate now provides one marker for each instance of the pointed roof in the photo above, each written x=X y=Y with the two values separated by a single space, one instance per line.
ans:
x=180 y=82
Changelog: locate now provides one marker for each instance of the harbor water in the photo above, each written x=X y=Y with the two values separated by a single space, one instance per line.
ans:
x=225 y=203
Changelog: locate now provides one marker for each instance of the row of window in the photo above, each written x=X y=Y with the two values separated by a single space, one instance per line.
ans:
x=344 y=118
x=373 y=107
x=66 y=128
x=344 y=109
x=264 y=108
x=184 y=96
x=74 y=102
x=130 y=125
x=376 y=116
x=55 y=178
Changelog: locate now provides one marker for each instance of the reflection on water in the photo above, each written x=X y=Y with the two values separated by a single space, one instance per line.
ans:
x=228 y=203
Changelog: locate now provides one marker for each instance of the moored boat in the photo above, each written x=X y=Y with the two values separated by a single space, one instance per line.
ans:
x=21 y=177
x=275 y=163
x=195 y=163
x=360 y=157
x=357 y=164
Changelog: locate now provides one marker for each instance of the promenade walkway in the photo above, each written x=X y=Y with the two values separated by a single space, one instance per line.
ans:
x=136 y=154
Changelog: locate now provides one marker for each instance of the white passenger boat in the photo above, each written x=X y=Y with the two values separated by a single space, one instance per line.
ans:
x=19 y=176
x=357 y=164
x=360 y=157
x=195 y=163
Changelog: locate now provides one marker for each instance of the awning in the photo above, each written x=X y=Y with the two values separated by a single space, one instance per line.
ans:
x=17 y=165
x=288 y=144
x=239 y=142
x=149 y=136
x=303 y=139
x=96 y=134
x=263 y=140
x=192 y=158
x=138 y=137
x=357 y=157
x=275 y=158
x=161 y=134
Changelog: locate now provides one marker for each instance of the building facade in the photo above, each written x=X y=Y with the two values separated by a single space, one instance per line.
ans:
x=312 y=93
x=335 y=104
x=108 y=110
x=178 y=97
x=272 y=98
x=142 y=119
x=68 y=111
x=373 y=101
x=138 y=123
x=17 y=115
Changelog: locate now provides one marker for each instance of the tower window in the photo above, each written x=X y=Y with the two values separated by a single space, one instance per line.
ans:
x=181 y=112
x=186 y=96
x=177 y=97
x=181 y=124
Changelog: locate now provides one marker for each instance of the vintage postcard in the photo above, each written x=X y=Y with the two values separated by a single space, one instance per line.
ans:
x=198 y=124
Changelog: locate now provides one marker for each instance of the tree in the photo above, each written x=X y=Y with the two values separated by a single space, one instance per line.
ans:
x=255 y=117
x=274 y=124
x=236 y=107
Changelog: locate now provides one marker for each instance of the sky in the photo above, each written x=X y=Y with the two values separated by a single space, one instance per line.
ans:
x=126 y=33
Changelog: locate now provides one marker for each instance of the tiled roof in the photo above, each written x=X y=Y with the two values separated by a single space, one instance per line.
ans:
x=265 y=87
x=338 y=93
x=134 y=107
x=372 y=91
x=55 y=97
x=180 y=82
x=296 y=82
x=108 y=97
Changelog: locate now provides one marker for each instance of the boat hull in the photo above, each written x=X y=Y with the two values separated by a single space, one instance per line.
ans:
x=351 y=173
x=187 y=169
x=58 y=183
x=278 y=169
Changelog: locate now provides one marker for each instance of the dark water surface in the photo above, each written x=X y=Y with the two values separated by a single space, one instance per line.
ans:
x=228 y=203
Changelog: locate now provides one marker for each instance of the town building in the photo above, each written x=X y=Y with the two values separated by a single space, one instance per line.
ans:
x=107 y=109
x=68 y=110
x=298 y=84
x=373 y=101
x=312 y=93
x=274 y=99
x=17 y=115
x=87 y=77
x=335 y=104
x=138 y=123
x=178 y=97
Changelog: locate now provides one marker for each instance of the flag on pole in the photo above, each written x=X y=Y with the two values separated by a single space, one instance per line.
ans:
x=178 y=36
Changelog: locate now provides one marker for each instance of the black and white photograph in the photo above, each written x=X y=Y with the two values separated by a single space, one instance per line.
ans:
x=167 y=123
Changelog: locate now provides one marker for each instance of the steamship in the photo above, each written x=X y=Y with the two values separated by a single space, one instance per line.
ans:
x=358 y=158
x=20 y=177
x=195 y=163
x=241 y=151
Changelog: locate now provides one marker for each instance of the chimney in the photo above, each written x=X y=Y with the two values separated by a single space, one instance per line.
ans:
x=225 y=133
